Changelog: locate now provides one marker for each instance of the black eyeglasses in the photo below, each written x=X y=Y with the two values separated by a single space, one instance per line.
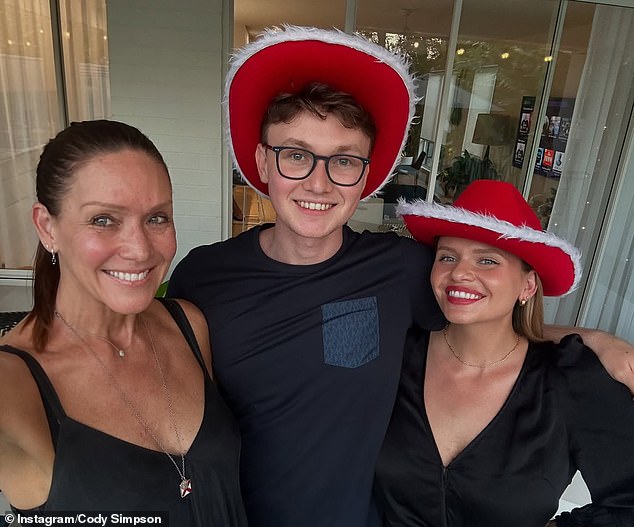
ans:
x=344 y=170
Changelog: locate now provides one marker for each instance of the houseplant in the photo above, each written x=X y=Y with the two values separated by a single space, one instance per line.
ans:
x=464 y=169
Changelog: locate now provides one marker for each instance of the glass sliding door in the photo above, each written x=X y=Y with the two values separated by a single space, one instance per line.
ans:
x=500 y=58
x=610 y=293
x=420 y=30
x=590 y=197
x=496 y=54
x=539 y=94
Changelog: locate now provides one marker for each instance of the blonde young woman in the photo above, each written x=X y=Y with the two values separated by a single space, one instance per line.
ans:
x=492 y=420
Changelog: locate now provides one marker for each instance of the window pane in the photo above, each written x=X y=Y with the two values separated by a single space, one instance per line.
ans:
x=597 y=75
x=611 y=299
x=420 y=30
x=85 y=48
x=29 y=116
x=498 y=61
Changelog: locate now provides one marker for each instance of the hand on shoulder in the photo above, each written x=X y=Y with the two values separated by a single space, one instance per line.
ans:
x=617 y=356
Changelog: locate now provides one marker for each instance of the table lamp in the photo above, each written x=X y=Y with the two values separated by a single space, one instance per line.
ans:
x=491 y=129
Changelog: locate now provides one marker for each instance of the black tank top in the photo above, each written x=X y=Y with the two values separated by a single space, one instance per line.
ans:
x=94 y=471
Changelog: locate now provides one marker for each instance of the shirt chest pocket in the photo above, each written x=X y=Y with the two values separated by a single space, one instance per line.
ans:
x=350 y=332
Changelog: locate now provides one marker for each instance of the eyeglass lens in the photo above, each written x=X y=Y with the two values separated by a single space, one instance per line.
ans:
x=297 y=163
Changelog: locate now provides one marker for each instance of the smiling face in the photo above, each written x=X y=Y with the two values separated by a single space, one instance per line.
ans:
x=313 y=208
x=475 y=282
x=114 y=234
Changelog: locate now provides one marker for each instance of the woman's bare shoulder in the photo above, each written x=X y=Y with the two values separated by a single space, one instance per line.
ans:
x=18 y=389
x=26 y=450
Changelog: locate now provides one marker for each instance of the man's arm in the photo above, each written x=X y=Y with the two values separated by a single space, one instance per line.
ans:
x=616 y=355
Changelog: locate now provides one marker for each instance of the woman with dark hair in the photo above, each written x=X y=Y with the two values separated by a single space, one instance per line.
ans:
x=107 y=398
x=491 y=419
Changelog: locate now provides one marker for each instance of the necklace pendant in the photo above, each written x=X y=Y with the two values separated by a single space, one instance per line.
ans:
x=185 y=487
x=121 y=353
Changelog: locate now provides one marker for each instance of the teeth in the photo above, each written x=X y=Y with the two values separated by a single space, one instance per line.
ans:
x=462 y=294
x=128 y=277
x=314 y=206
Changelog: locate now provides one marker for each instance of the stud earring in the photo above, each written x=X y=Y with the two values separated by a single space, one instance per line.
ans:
x=523 y=301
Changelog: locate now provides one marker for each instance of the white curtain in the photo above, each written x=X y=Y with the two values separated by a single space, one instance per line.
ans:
x=28 y=117
x=29 y=105
x=85 y=46
x=596 y=137
x=612 y=295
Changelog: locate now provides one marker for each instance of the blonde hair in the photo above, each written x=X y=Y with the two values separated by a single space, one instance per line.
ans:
x=528 y=320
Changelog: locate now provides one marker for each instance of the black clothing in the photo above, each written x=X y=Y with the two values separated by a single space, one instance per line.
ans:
x=309 y=358
x=564 y=413
x=94 y=471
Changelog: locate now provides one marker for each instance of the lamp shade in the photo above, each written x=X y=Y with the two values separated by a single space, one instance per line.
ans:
x=491 y=129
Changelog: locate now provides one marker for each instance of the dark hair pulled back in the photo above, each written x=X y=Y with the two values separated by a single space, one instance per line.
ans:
x=74 y=146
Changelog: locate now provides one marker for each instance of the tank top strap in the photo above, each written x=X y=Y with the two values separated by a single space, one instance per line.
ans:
x=175 y=309
x=52 y=405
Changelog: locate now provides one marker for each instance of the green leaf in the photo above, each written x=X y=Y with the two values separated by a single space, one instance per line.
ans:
x=162 y=290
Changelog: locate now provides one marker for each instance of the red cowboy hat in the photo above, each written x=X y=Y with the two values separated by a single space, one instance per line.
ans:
x=286 y=61
x=495 y=213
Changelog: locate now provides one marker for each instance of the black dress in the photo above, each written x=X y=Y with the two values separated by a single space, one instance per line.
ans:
x=564 y=413
x=94 y=471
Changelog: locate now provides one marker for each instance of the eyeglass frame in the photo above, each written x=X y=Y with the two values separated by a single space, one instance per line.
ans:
x=325 y=159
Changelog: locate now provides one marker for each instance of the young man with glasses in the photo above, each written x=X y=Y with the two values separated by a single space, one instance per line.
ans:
x=308 y=318
x=313 y=195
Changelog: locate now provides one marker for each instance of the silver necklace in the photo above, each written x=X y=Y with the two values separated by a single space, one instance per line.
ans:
x=483 y=365
x=120 y=351
x=185 y=485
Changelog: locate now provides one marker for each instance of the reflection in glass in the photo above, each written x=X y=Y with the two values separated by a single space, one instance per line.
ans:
x=493 y=70
x=410 y=31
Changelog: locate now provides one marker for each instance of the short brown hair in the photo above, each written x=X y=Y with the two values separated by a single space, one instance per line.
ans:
x=320 y=100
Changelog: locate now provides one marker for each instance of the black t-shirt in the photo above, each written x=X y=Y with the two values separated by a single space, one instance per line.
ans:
x=563 y=414
x=308 y=358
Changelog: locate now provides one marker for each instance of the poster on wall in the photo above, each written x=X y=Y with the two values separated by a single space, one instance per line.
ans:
x=555 y=128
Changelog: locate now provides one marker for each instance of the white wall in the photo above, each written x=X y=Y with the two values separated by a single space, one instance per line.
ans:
x=166 y=72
